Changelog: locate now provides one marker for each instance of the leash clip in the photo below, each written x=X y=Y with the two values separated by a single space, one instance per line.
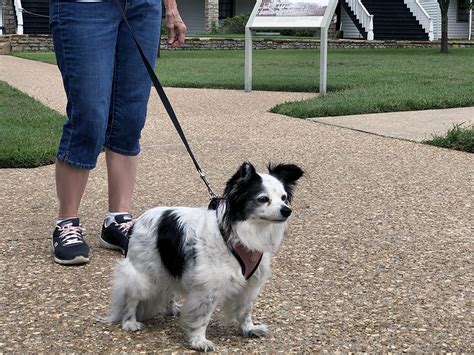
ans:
x=210 y=191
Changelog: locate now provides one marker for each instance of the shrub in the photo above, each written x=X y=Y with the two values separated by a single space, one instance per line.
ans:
x=234 y=24
x=299 y=33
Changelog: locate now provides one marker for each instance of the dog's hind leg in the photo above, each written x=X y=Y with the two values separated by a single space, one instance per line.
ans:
x=129 y=320
x=195 y=316
x=173 y=308
x=129 y=288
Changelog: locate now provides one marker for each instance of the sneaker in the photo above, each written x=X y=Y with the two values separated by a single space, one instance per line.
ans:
x=69 y=246
x=115 y=233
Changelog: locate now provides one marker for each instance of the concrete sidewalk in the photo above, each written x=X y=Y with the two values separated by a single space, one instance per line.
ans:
x=411 y=125
x=379 y=255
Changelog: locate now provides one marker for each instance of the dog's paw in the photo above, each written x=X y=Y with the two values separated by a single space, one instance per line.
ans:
x=203 y=345
x=132 y=326
x=256 y=331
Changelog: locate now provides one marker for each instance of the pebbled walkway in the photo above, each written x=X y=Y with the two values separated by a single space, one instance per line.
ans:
x=379 y=255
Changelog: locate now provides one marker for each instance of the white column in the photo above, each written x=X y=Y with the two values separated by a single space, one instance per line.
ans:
x=211 y=14
x=19 y=16
x=1 y=18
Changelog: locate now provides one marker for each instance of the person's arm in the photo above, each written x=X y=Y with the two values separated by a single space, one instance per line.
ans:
x=174 y=24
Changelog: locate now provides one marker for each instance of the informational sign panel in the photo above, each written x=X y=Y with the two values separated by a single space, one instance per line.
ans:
x=290 y=14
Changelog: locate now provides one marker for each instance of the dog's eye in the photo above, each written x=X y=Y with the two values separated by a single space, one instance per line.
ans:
x=284 y=198
x=263 y=199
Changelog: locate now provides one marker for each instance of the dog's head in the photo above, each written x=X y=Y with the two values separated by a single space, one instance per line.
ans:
x=261 y=197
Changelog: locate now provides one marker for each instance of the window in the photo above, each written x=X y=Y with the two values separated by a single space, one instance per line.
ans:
x=226 y=9
x=463 y=11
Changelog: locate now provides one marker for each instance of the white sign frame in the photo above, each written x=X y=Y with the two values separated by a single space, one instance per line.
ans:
x=256 y=22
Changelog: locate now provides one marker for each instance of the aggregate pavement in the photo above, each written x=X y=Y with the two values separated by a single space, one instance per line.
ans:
x=379 y=255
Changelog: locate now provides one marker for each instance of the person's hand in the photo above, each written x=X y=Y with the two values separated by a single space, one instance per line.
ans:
x=176 y=28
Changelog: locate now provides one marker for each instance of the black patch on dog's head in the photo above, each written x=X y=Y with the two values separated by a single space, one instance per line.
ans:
x=240 y=193
x=170 y=243
x=288 y=174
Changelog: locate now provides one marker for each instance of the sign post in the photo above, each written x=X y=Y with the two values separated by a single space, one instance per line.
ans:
x=290 y=14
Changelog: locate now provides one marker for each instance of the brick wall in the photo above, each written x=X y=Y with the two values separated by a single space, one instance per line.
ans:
x=9 y=17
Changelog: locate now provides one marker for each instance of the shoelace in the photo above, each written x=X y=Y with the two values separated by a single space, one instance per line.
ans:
x=125 y=226
x=71 y=234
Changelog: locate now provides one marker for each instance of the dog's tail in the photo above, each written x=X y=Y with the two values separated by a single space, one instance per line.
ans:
x=127 y=284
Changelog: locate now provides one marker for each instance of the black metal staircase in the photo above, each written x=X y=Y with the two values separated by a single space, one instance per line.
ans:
x=33 y=24
x=392 y=21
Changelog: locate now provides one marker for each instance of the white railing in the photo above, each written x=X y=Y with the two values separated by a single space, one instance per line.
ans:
x=19 y=16
x=364 y=17
x=421 y=16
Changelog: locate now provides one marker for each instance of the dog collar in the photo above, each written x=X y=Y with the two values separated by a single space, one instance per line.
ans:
x=249 y=260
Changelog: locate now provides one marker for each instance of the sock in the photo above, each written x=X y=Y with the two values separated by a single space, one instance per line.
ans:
x=63 y=219
x=110 y=217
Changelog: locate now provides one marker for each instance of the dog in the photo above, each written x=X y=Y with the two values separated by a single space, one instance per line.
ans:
x=220 y=255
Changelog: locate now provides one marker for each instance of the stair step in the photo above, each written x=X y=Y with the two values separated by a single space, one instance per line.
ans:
x=402 y=22
x=399 y=37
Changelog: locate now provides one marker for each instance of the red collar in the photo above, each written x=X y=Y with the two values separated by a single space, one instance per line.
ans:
x=249 y=260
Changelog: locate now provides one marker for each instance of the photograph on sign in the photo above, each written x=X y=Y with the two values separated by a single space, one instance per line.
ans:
x=289 y=8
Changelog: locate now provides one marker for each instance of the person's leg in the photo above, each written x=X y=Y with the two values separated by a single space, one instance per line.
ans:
x=130 y=94
x=70 y=185
x=129 y=100
x=84 y=36
x=121 y=172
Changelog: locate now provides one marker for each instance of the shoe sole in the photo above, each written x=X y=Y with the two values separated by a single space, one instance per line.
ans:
x=107 y=245
x=76 y=261
x=80 y=259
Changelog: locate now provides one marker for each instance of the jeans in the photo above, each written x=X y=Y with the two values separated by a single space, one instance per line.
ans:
x=106 y=83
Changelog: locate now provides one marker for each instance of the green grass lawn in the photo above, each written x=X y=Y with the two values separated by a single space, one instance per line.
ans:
x=30 y=131
x=460 y=137
x=359 y=80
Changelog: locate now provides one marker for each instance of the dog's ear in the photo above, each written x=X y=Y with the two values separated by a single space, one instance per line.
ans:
x=288 y=174
x=244 y=175
x=246 y=171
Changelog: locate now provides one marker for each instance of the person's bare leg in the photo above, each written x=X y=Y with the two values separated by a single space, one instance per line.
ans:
x=121 y=173
x=70 y=186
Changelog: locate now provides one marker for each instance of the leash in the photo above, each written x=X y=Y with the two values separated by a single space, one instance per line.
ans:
x=166 y=103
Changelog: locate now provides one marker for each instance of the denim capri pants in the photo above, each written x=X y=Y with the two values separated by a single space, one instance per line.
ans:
x=106 y=83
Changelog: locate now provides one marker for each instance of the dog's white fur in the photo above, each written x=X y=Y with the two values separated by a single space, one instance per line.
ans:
x=143 y=286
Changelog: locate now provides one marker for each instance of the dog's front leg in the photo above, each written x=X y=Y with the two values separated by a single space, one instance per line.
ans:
x=247 y=327
x=242 y=309
x=195 y=316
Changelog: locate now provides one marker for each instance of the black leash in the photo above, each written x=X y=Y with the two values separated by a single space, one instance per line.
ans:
x=167 y=105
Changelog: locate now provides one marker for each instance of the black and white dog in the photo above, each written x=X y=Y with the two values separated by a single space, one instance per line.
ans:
x=207 y=256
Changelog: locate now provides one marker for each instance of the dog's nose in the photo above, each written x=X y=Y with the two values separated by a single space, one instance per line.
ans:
x=285 y=211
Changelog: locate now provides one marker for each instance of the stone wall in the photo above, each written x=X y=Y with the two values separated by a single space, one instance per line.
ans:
x=20 y=43
x=9 y=17
x=31 y=43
